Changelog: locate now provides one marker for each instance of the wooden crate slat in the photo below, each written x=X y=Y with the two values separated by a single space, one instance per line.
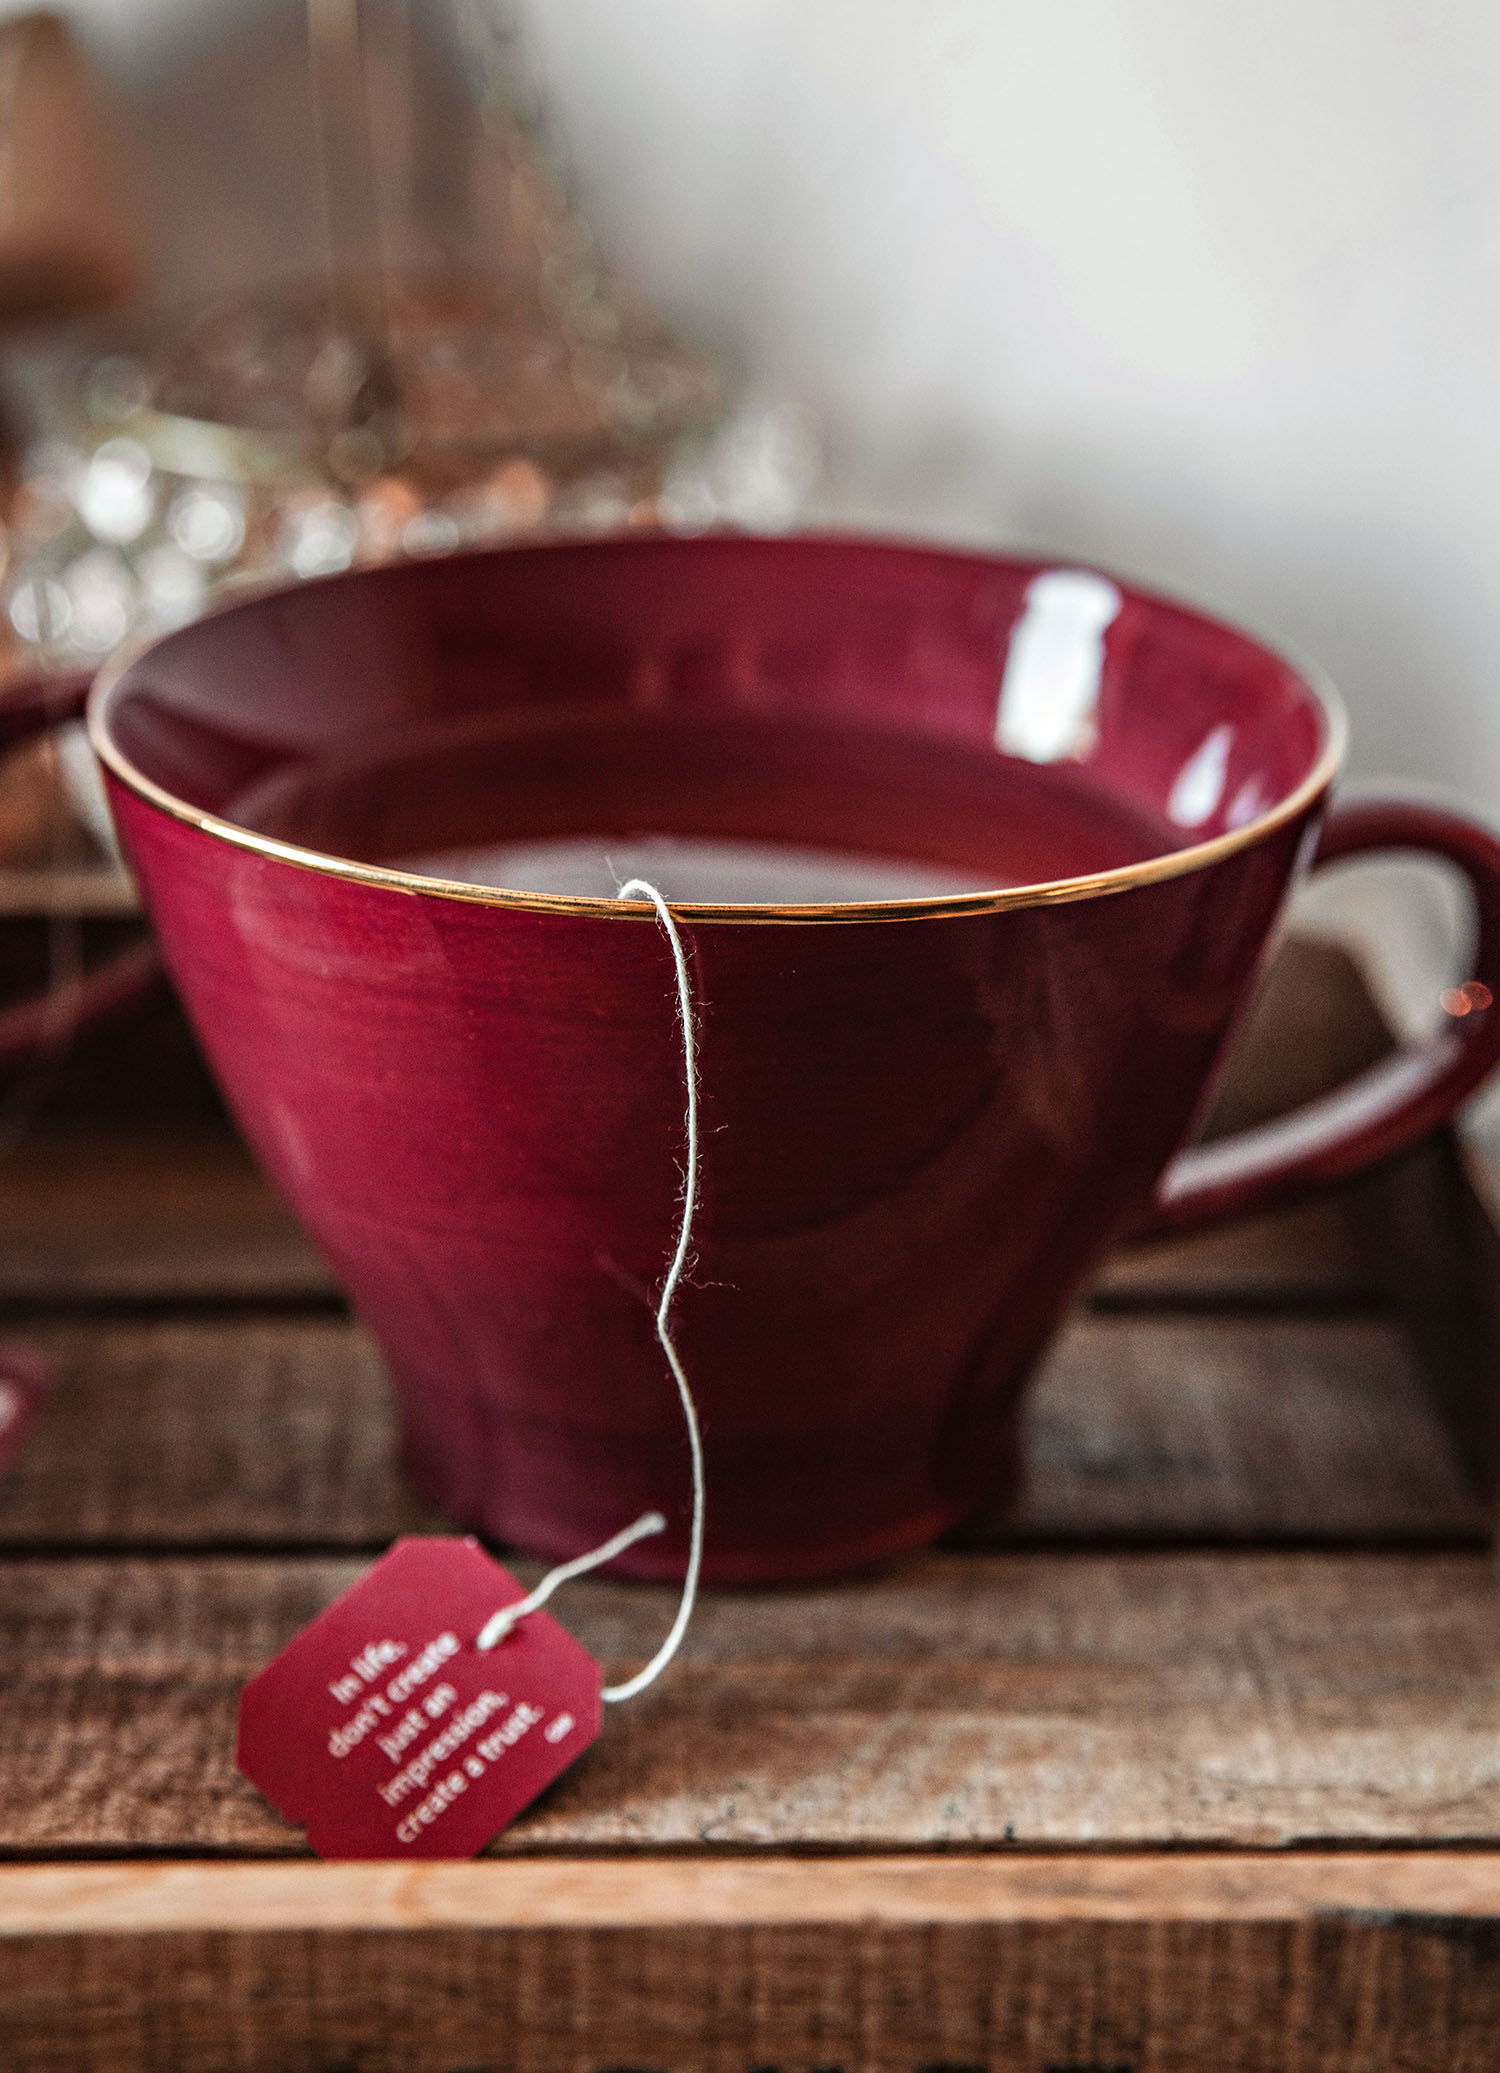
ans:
x=745 y=1888
x=1250 y=1429
x=1322 y=1983
x=1316 y=1255
x=120 y=1216
x=986 y=1809
x=955 y=1701
x=280 y=1431
x=190 y=1431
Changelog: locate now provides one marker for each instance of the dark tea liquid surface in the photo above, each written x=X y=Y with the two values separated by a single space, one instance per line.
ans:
x=718 y=808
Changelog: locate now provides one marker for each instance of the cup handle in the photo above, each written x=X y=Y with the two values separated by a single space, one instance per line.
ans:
x=1394 y=1102
x=34 y=706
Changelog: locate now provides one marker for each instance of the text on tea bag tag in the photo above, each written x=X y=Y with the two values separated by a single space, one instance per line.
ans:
x=386 y=1732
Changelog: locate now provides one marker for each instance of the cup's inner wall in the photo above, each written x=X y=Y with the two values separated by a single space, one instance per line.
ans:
x=974 y=724
x=758 y=782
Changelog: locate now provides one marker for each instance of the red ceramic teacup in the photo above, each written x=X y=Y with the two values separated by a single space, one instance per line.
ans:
x=924 y=1117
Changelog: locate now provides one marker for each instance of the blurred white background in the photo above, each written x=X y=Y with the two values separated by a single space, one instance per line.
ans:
x=1209 y=294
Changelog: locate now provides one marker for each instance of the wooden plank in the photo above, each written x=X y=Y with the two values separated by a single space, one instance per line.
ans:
x=91 y=890
x=1334 y=1966
x=1470 y=1294
x=188 y=1432
x=1434 y=1225
x=954 y=1702
x=1318 y=1255
x=112 y=1217
x=121 y=1177
x=1092 y=1702
x=1312 y=1027
x=1240 y=1429
x=615 y=1893
x=274 y=1431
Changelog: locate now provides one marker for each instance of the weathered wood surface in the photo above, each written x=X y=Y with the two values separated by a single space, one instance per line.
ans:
x=954 y=1701
x=123 y=1181
x=122 y=1217
x=1057 y=1968
x=210 y=1432
x=164 y=1897
x=1339 y=1994
x=279 y=1431
x=1244 y=1606
x=745 y=1888
x=1240 y=1429
x=1315 y=1256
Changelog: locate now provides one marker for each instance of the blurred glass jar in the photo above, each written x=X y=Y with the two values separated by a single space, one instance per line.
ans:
x=127 y=516
x=462 y=370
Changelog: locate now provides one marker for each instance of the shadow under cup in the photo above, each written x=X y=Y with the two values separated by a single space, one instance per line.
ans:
x=923 y=1118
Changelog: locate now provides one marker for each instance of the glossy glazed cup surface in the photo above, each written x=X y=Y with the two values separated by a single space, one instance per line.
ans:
x=923 y=1121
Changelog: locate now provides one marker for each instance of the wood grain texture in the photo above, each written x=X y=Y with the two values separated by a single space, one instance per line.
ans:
x=1317 y=1255
x=121 y=1216
x=1434 y=1226
x=157 y=1899
x=121 y=1177
x=120 y=1213
x=983 y=1810
x=191 y=1432
x=1188 y=1961
x=271 y=1431
x=1203 y=1428
x=1333 y=1994
x=957 y=1701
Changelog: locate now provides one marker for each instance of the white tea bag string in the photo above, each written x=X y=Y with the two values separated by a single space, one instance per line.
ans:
x=496 y=1629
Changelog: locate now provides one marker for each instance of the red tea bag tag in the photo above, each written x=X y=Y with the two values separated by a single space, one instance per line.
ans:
x=386 y=1732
